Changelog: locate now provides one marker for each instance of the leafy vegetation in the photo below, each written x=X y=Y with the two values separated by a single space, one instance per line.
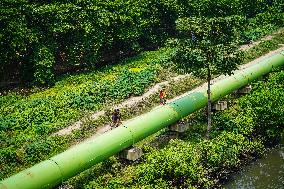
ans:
x=210 y=48
x=265 y=47
x=42 y=38
x=239 y=135
x=253 y=117
x=27 y=121
x=55 y=110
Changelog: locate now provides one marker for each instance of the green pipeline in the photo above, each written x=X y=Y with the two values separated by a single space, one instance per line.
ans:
x=53 y=171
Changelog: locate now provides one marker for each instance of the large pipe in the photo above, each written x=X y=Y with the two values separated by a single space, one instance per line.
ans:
x=53 y=171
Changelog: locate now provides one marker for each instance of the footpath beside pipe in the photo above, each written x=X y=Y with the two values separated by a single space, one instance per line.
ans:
x=53 y=171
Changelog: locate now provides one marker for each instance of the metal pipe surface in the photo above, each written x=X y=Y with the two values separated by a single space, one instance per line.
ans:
x=53 y=171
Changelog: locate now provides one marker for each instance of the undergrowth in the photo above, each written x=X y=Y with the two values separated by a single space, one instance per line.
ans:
x=27 y=121
x=239 y=134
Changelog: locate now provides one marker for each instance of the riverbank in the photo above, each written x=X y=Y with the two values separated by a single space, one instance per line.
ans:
x=267 y=172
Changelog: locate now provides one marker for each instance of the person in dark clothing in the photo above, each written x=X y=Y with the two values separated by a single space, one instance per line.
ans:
x=115 y=118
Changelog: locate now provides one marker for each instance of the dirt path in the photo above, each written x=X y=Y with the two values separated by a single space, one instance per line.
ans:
x=134 y=100
x=251 y=45
x=105 y=128
x=244 y=66
x=254 y=43
x=127 y=103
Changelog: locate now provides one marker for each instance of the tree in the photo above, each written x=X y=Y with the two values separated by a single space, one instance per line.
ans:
x=207 y=47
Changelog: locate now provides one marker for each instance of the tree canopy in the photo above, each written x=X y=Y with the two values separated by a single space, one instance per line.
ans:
x=208 y=46
x=94 y=32
x=208 y=42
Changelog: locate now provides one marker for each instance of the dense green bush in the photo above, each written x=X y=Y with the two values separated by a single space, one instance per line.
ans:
x=85 y=32
x=179 y=160
x=78 y=32
x=186 y=164
x=259 y=114
x=44 y=61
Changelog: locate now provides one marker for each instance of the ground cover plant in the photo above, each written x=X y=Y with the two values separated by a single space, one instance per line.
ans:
x=40 y=39
x=57 y=108
x=26 y=121
x=240 y=134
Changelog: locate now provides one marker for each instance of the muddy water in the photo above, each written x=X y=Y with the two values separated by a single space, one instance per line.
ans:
x=265 y=173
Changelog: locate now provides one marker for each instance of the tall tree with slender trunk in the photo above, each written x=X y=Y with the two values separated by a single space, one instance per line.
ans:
x=208 y=47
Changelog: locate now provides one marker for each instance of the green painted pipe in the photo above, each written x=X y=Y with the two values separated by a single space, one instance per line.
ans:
x=53 y=171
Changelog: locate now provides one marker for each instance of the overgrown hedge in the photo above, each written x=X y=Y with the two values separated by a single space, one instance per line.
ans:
x=38 y=37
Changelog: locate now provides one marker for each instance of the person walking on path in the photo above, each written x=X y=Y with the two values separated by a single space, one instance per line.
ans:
x=162 y=97
x=115 y=118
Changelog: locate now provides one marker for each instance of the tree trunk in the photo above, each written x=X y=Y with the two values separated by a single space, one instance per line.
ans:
x=209 y=102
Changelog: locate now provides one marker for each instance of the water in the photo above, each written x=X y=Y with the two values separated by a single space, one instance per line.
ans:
x=265 y=173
